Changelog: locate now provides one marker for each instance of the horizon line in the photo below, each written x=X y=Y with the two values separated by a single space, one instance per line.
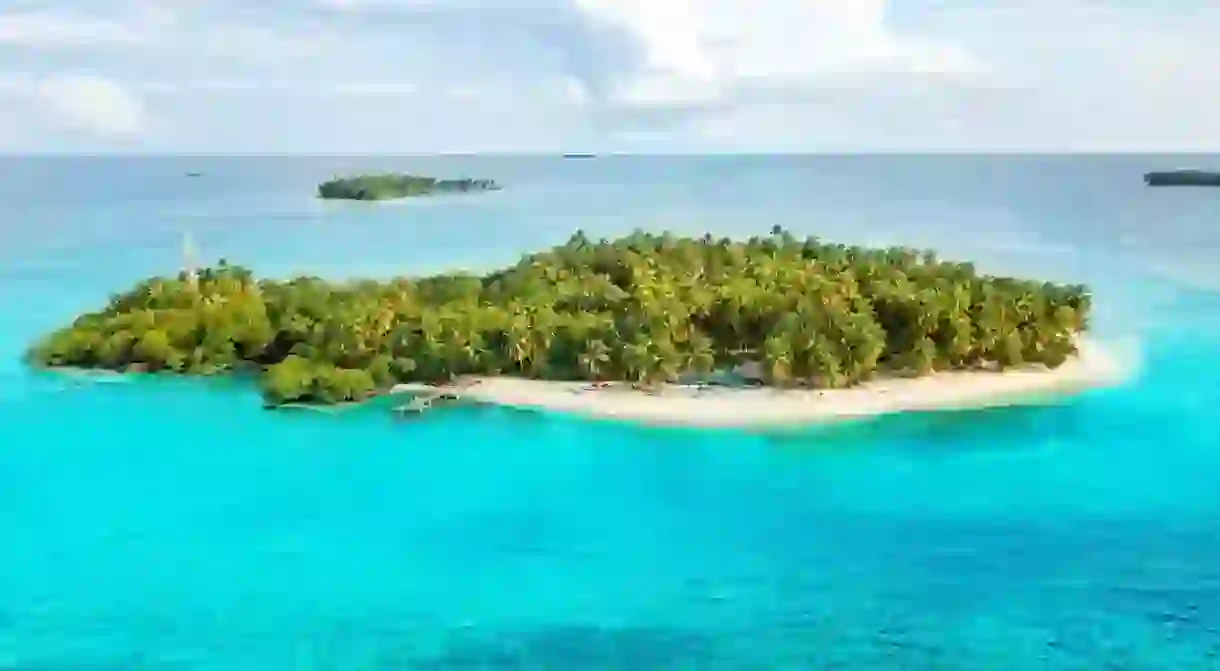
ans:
x=601 y=154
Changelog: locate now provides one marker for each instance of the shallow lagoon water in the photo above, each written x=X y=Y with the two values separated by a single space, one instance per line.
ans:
x=160 y=523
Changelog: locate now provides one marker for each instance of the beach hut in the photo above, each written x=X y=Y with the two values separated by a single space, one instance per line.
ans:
x=739 y=376
x=750 y=372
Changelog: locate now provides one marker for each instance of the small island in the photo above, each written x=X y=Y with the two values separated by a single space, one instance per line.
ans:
x=391 y=186
x=653 y=314
x=1183 y=178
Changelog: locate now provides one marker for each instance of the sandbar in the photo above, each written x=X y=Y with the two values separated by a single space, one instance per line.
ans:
x=711 y=407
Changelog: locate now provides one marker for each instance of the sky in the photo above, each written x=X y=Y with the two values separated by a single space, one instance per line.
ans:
x=427 y=76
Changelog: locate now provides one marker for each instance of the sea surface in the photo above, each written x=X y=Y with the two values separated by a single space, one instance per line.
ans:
x=173 y=524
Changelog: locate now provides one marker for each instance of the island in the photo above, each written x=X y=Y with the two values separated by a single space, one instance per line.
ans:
x=653 y=327
x=390 y=186
x=1183 y=178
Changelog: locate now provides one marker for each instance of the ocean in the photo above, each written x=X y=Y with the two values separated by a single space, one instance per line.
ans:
x=174 y=524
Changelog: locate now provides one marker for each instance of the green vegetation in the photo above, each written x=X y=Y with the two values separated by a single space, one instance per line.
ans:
x=390 y=186
x=643 y=308
x=1183 y=178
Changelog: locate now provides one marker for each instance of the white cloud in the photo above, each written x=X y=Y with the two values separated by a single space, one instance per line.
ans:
x=200 y=29
x=657 y=75
x=468 y=91
x=346 y=5
x=571 y=91
x=92 y=104
x=199 y=86
x=16 y=82
x=252 y=43
x=361 y=88
x=196 y=87
x=54 y=29
x=697 y=50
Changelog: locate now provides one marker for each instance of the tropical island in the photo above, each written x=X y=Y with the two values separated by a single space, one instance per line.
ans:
x=390 y=186
x=1183 y=178
x=658 y=311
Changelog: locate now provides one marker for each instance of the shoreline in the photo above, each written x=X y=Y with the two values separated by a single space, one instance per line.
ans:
x=712 y=407
x=722 y=407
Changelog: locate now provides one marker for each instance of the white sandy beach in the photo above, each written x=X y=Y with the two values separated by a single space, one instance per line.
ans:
x=1094 y=366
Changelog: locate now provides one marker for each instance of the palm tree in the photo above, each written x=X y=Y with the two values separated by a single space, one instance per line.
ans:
x=519 y=341
x=667 y=360
x=702 y=356
x=777 y=359
x=595 y=359
x=638 y=359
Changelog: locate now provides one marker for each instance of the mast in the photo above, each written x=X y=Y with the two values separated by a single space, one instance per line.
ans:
x=189 y=256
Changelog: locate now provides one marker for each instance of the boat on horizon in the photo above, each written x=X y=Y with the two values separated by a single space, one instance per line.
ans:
x=580 y=155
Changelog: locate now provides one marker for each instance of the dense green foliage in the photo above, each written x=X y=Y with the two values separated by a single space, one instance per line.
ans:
x=389 y=186
x=645 y=307
x=1183 y=178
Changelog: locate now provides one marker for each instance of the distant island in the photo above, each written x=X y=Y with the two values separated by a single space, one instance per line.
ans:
x=647 y=309
x=393 y=186
x=1183 y=178
x=580 y=155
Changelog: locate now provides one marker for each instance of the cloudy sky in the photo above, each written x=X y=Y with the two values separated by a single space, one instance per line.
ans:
x=608 y=75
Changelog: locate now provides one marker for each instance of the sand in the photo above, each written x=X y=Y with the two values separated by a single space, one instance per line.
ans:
x=764 y=407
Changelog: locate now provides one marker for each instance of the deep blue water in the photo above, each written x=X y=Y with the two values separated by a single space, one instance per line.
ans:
x=174 y=524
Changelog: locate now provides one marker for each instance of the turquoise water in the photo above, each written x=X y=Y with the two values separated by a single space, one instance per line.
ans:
x=173 y=524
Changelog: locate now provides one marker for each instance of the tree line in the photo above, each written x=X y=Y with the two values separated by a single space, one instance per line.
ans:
x=389 y=186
